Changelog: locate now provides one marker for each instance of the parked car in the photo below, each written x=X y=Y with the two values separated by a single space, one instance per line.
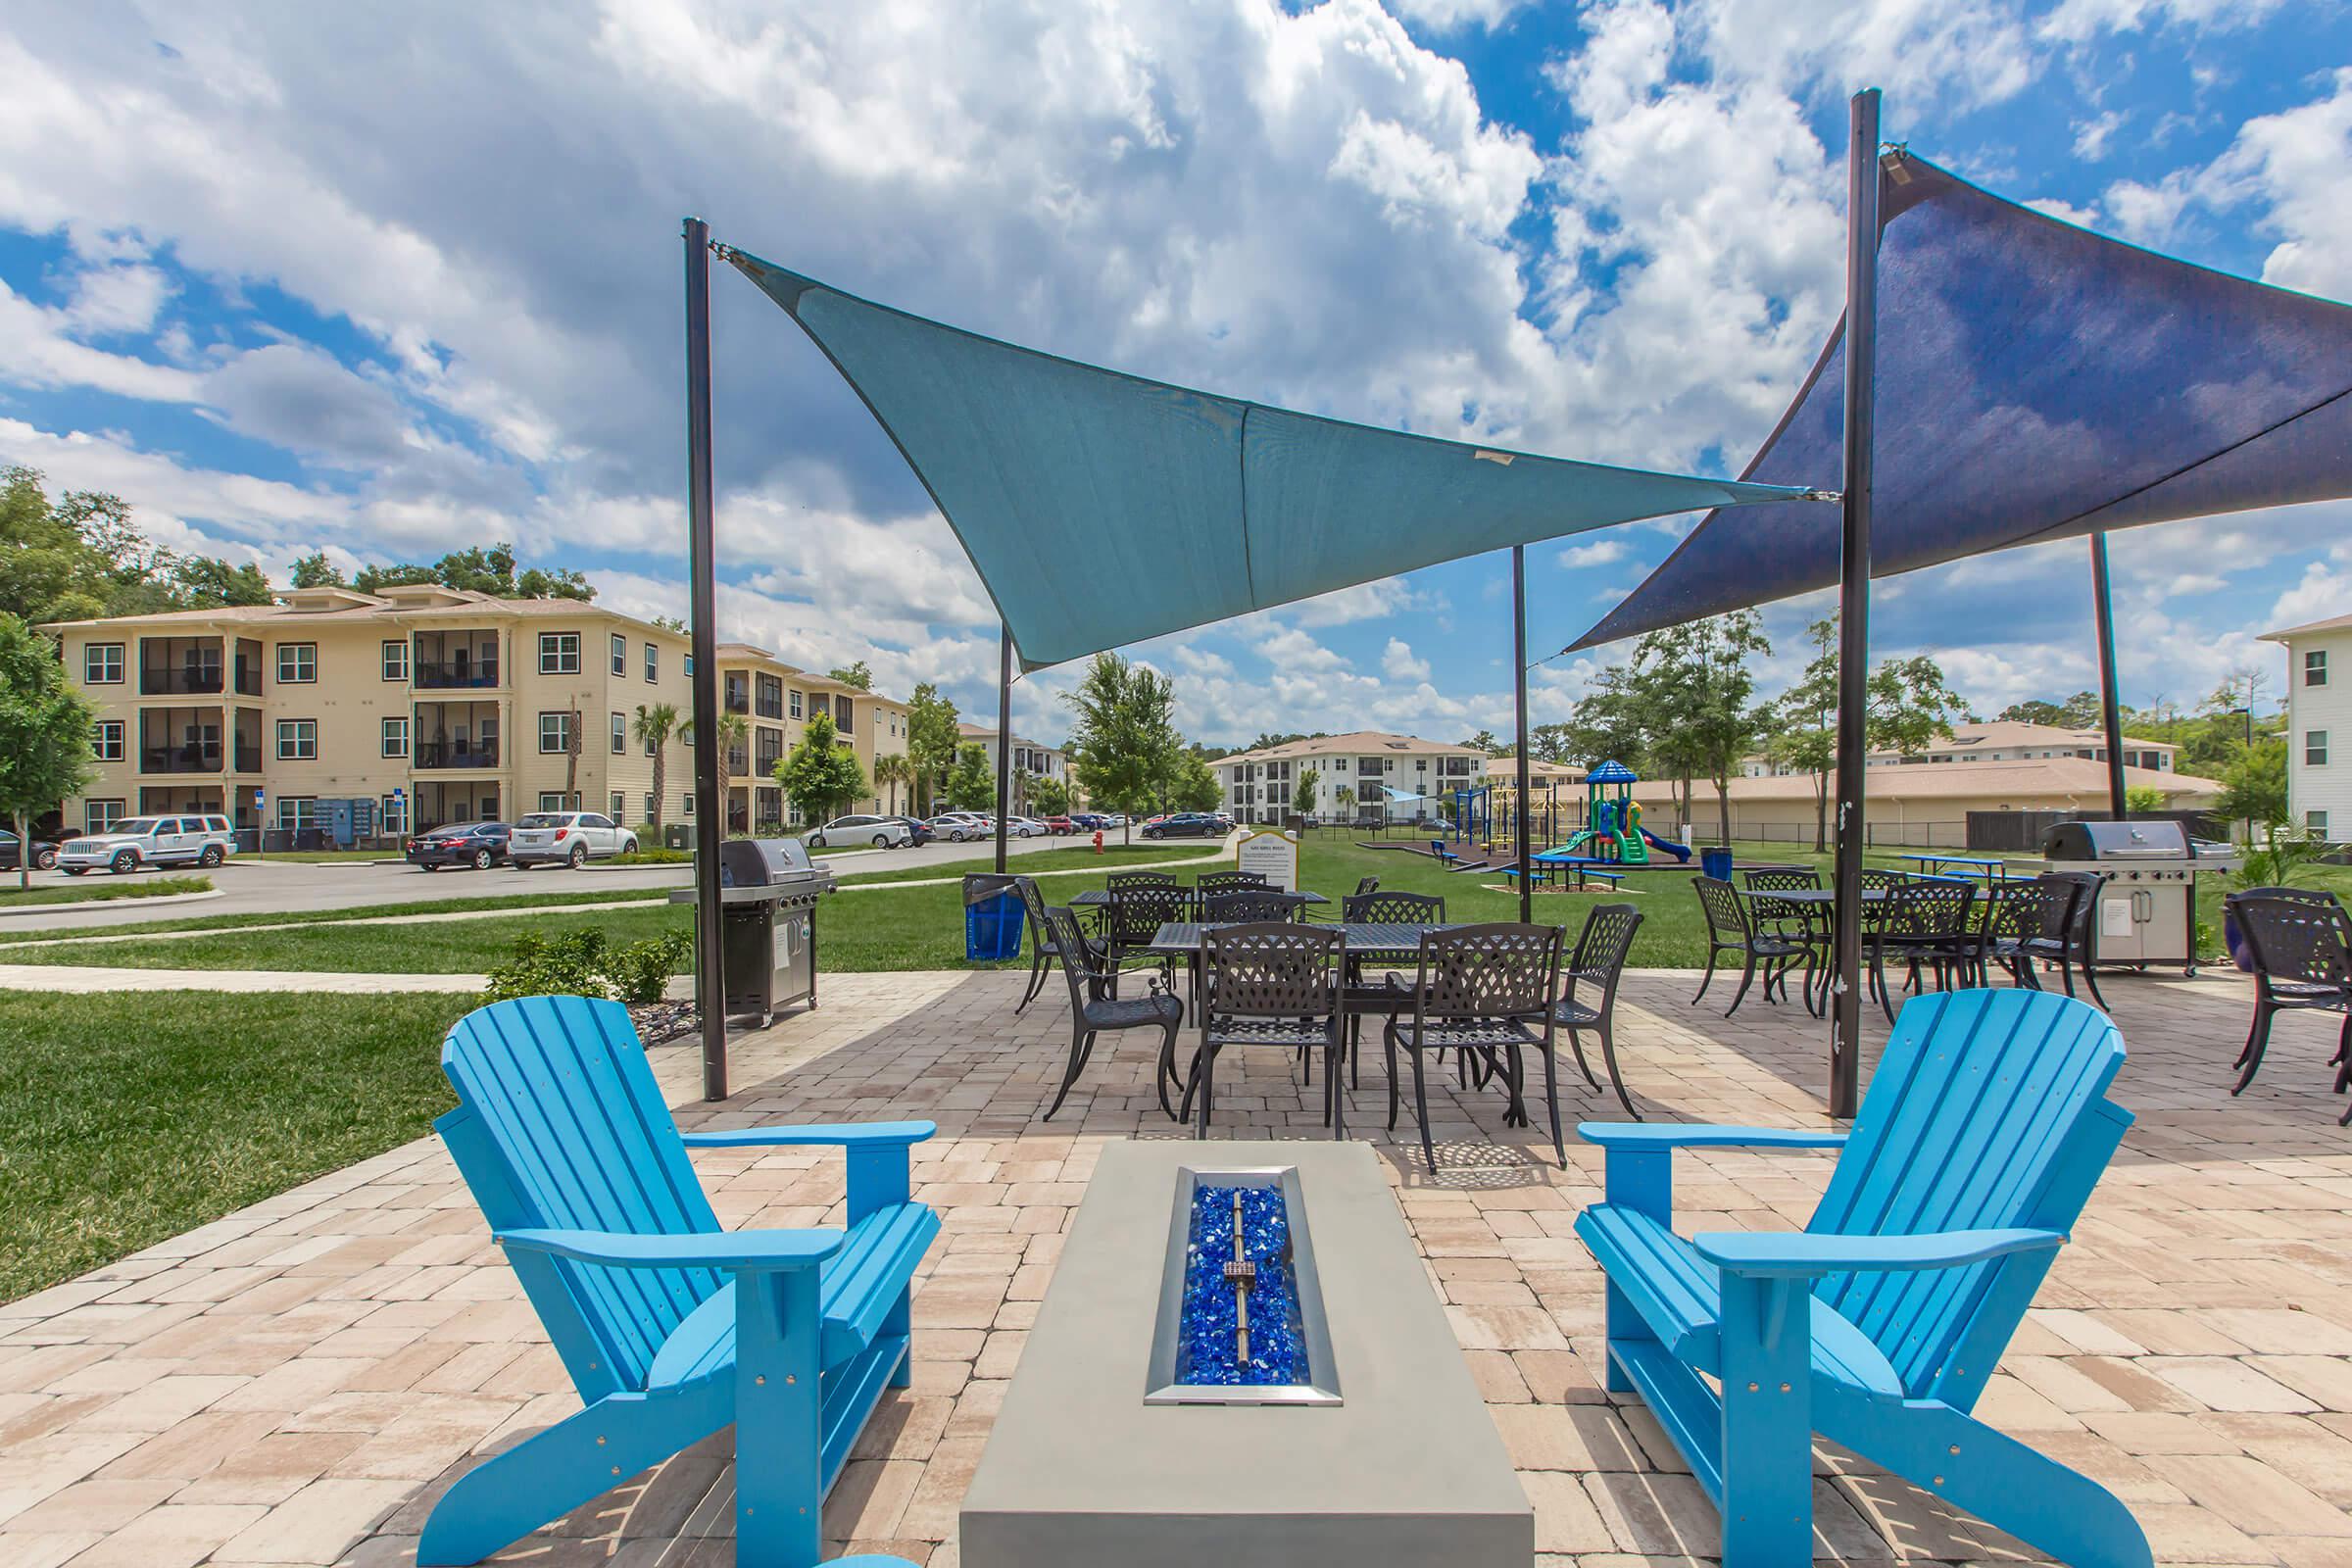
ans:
x=1186 y=825
x=916 y=827
x=480 y=845
x=566 y=837
x=1024 y=827
x=1115 y=819
x=882 y=832
x=137 y=841
x=44 y=854
x=957 y=827
x=1062 y=824
x=1090 y=822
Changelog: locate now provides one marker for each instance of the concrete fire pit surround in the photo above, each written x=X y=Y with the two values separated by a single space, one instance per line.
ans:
x=1079 y=1470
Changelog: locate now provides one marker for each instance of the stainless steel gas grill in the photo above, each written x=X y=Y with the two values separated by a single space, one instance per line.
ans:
x=767 y=895
x=2147 y=911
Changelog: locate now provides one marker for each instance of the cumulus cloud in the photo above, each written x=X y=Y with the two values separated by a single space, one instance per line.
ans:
x=1399 y=663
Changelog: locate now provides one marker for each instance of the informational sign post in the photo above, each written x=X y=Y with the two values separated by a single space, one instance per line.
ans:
x=1273 y=854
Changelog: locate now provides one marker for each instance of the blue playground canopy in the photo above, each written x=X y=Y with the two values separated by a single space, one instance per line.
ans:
x=1612 y=772
x=2034 y=381
x=1102 y=509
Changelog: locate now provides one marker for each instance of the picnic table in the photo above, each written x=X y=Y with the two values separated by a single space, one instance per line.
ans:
x=1551 y=866
x=1991 y=869
x=1100 y=897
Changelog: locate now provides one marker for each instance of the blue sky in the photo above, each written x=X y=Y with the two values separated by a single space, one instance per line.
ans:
x=390 y=283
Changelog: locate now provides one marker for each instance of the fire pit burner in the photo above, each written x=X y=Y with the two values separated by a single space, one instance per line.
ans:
x=1241 y=1311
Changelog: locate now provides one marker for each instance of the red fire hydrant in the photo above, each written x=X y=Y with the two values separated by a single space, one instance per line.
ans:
x=1098 y=840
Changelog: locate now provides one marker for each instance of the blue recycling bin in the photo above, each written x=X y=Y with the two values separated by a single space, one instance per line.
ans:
x=993 y=919
x=1716 y=863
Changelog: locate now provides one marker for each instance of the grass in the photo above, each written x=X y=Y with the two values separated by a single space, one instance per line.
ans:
x=108 y=892
x=1112 y=857
x=231 y=922
x=128 y=1120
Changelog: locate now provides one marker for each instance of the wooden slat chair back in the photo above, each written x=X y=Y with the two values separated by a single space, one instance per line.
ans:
x=670 y=1327
x=1985 y=1130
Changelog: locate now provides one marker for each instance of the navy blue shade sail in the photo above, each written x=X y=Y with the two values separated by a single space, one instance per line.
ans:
x=2036 y=381
x=1102 y=509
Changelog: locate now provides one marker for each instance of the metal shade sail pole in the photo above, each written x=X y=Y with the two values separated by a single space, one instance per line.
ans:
x=709 y=979
x=1527 y=891
x=1004 y=742
x=2110 y=712
x=1853 y=600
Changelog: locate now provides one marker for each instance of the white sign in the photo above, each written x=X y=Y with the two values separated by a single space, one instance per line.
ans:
x=1273 y=854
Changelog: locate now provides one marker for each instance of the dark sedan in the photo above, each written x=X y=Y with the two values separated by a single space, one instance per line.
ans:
x=44 y=854
x=480 y=845
x=922 y=830
x=1186 y=825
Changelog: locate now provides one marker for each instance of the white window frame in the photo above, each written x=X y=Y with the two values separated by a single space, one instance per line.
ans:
x=620 y=655
x=2315 y=748
x=563 y=746
x=298 y=734
x=2314 y=668
x=2316 y=824
x=653 y=660
x=396 y=659
x=552 y=801
x=621 y=734
x=94 y=670
x=621 y=806
x=394 y=736
x=296 y=813
x=302 y=659
x=687 y=808
x=106 y=740
x=791 y=708
x=558 y=653
x=649 y=806
x=100 y=815
x=392 y=814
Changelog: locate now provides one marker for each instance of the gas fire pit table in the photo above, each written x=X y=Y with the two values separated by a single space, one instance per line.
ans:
x=1241 y=1361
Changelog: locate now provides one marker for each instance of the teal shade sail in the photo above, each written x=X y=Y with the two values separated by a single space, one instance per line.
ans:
x=1103 y=508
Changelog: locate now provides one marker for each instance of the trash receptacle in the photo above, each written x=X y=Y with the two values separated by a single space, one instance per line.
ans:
x=1716 y=863
x=678 y=835
x=992 y=918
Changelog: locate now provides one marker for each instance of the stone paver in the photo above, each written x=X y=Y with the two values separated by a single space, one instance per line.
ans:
x=297 y=1383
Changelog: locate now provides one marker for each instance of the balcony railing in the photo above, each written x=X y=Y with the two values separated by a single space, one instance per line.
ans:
x=249 y=756
x=451 y=676
x=738 y=698
x=449 y=754
x=249 y=679
x=770 y=707
x=738 y=763
x=156 y=680
x=180 y=758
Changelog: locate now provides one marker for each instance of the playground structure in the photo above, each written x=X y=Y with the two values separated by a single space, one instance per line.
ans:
x=1613 y=830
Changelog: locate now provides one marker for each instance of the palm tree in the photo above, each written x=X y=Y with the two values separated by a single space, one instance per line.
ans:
x=890 y=771
x=734 y=731
x=654 y=727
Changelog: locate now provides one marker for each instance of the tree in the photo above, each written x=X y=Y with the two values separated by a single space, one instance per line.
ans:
x=856 y=675
x=315 y=570
x=480 y=570
x=45 y=733
x=821 y=776
x=1303 y=799
x=1266 y=741
x=2254 y=787
x=1344 y=799
x=1050 y=796
x=734 y=740
x=1194 y=788
x=969 y=788
x=653 y=728
x=931 y=736
x=676 y=624
x=1608 y=723
x=1805 y=724
x=1485 y=741
x=1695 y=686
x=82 y=557
x=2141 y=799
x=572 y=761
x=207 y=582
x=1549 y=742
x=1910 y=705
x=1125 y=739
x=892 y=769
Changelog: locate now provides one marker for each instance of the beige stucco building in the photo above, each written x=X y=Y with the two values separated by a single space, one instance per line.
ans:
x=433 y=705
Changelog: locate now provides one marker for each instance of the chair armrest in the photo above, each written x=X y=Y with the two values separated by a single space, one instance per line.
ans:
x=1798 y=1254
x=1701 y=1135
x=743 y=1251
x=848 y=1134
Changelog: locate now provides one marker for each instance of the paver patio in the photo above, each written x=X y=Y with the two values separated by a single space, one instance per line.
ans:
x=296 y=1383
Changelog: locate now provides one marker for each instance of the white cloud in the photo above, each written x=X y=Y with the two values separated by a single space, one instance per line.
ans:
x=1446 y=15
x=2077 y=21
x=2092 y=135
x=1399 y=663
x=1599 y=553
x=40 y=347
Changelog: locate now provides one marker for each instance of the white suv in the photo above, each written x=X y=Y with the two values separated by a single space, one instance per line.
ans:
x=137 y=841
x=882 y=832
x=566 y=837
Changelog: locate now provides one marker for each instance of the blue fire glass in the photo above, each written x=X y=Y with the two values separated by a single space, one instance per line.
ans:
x=1207 y=1347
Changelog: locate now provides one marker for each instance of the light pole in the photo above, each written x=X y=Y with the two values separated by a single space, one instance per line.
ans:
x=2248 y=713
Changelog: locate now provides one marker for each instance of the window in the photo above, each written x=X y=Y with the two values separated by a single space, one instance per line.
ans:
x=653 y=662
x=392 y=812
x=690 y=666
x=796 y=705
x=555 y=735
x=685 y=734
x=102 y=665
x=297 y=740
x=2314 y=668
x=296 y=813
x=396 y=737
x=621 y=806
x=621 y=734
x=649 y=808
x=558 y=653
x=552 y=801
x=396 y=659
x=687 y=809
x=297 y=663
x=100 y=816
x=2315 y=748
x=2317 y=822
x=106 y=740
x=620 y=655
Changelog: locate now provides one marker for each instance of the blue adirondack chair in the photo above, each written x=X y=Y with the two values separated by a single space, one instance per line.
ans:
x=1984 y=1132
x=670 y=1327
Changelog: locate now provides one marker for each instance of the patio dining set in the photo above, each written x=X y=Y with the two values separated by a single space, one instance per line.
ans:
x=1259 y=969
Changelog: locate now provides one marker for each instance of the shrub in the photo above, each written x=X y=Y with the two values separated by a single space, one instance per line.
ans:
x=652 y=855
x=640 y=972
x=581 y=964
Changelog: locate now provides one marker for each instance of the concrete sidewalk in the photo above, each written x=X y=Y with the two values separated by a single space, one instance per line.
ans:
x=84 y=978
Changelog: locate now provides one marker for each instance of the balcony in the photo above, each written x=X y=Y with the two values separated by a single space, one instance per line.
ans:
x=454 y=660
x=444 y=755
x=249 y=755
x=179 y=681
x=455 y=675
x=451 y=736
x=738 y=695
x=180 y=667
x=180 y=740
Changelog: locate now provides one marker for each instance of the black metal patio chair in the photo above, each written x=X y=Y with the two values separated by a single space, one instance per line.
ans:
x=2074 y=943
x=1270 y=983
x=1208 y=884
x=1044 y=950
x=1251 y=904
x=1791 y=920
x=1487 y=990
x=1097 y=1008
x=1729 y=930
x=2302 y=951
x=1387 y=997
x=2013 y=914
x=1599 y=961
x=1132 y=919
x=1923 y=924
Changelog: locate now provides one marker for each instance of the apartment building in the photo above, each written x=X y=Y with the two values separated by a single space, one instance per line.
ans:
x=2319 y=708
x=1380 y=773
x=430 y=704
x=776 y=700
x=1030 y=760
x=2003 y=740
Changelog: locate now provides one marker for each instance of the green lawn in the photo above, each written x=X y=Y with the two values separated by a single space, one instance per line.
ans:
x=1114 y=857
x=126 y=1119
x=232 y=923
x=160 y=887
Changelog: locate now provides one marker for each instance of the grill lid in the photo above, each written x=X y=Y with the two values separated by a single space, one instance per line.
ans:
x=2158 y=840
x=764 y=862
